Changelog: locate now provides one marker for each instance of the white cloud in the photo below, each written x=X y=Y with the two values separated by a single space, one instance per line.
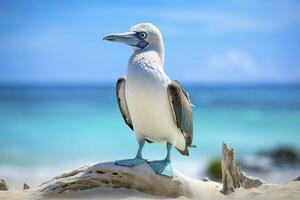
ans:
x=229 y=66
x=238 y=16
x=234 y=61
x=216 y=20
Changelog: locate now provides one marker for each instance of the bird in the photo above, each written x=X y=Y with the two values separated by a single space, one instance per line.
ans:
x=156 y=108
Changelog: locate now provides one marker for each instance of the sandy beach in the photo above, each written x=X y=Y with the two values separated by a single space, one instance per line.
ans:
x=108 y=181
x=288 y=191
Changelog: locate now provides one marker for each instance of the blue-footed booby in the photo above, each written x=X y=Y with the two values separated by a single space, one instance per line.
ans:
x=156 y=108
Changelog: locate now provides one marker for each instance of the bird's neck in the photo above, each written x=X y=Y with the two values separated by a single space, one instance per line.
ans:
x=152 y=53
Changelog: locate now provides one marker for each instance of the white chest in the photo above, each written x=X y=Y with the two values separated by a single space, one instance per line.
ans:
x=148 y=103
x=146 y=80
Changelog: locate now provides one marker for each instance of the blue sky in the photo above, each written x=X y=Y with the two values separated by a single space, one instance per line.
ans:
x=205 y=41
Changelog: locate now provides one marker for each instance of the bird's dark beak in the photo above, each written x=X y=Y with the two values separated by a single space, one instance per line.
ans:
x=129 y=38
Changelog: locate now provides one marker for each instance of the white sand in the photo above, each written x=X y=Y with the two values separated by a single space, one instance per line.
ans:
x=144 y=179
x=210 y=191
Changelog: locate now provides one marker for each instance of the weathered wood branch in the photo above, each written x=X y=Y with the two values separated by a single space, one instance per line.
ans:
x=232 y=175
x=109 y=177
x=3 y=185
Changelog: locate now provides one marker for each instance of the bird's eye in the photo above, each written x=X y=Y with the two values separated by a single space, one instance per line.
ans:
x=142 y=35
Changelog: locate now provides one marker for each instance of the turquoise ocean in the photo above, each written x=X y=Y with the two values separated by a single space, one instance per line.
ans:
x=46 y=129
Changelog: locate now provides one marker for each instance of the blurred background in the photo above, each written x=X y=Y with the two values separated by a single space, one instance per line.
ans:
x=239 y=60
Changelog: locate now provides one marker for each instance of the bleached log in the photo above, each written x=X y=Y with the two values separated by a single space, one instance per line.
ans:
x=110 y=178
x=26 y=186
x=3 y=185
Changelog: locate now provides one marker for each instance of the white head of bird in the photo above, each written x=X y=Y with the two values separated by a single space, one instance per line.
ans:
x=142 y=37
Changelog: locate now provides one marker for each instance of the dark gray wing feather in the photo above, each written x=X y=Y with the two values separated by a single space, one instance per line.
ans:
x=120 y=90
x=182 y=111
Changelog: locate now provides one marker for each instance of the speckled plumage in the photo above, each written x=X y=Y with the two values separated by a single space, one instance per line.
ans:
x=155 y=107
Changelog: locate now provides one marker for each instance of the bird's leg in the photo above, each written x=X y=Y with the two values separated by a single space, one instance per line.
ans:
x=163 y=167
x=135 y=161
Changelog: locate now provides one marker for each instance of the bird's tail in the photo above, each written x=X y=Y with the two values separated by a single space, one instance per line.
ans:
x=186 y=150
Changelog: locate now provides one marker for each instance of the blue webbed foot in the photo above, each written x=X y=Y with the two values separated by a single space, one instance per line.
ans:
x=130 y=162
x=162 y=167
x=135 y=161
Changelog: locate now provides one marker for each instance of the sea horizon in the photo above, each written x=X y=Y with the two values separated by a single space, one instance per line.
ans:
x=61 y=84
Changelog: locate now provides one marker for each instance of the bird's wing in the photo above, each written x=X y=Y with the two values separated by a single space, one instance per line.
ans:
x=182 y=110
x=120 y=90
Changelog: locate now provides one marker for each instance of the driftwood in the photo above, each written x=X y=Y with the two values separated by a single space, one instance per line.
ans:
x=297 y=179
x=3 y=185
x=26 y=186
x=110 y=178
x=232 y=175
